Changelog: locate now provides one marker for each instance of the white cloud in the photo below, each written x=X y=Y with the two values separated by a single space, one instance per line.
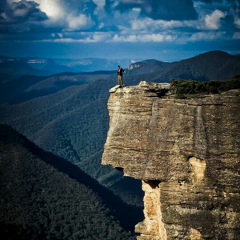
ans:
x=157 y=38
x=212 y=21
x=205 y=36
x=99 y=37
x=79 y=22
x=236 y=35
x=57 y=35
x=99 y=3
x=138 y=25
x=237 y=22
x=143 y=38
x=81 y=37
x=148 y=24
x=64 y=15
x=52 y=8
x=118 y=38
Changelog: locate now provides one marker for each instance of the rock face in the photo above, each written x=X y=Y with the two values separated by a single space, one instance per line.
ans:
x=187 y=155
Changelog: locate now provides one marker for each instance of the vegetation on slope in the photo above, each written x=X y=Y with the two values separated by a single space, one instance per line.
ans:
x=72 y=124
x=45 y=197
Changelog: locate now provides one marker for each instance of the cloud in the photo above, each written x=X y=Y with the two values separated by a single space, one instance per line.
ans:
x=236 y=35
x=237 y=22
x=120 y=20
x=80 y=37
x=79 y=22
x=45 y=15
x=212 y=21
x=161 y=9
x=206 y=36
x=53 y=9
x=60 y=8
x=143 y=38
x=150 y=25
x=22 y=11
x=69 y=15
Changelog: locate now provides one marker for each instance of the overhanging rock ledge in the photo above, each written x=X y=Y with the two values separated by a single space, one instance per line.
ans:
x=187 y=155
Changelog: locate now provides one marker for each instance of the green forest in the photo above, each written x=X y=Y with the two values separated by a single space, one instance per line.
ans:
x=46 y=197
x=73 y=123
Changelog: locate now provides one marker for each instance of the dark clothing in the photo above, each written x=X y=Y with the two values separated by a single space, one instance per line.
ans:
x=120 y=72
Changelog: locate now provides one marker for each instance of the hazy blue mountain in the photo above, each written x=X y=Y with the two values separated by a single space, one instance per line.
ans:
x=203 y=67
x=50 y=67
x=16 y=67
x=13 y=68
x=214 y=65
x=93 y=64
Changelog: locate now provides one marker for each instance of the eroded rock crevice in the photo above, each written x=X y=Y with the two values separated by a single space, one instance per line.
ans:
x=152 y=227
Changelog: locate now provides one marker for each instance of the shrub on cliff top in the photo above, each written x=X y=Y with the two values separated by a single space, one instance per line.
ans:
x=181 y=87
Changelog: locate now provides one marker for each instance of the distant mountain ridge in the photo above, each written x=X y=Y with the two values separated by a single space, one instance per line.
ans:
x=51 y=66
x=14 y=68
x=214 y=65
x=203 y=67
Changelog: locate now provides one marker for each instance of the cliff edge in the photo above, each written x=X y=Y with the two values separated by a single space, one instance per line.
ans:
x=186 y=153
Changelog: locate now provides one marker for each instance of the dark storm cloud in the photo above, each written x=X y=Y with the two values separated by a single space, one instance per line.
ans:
x=21 y=11
x=86 y=7
x=52 y=15
x=20 y=16
x=171 y=10
x=26 y=11
x=161 y=9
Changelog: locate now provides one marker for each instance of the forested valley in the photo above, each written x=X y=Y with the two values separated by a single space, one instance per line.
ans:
x=46 y=197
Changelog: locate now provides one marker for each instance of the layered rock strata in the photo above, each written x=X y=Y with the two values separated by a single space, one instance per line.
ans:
x=187 y=155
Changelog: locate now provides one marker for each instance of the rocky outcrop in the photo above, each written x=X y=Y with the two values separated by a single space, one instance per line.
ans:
x=187 y=155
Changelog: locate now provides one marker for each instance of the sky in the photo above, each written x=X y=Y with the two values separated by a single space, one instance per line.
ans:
x=167 y=30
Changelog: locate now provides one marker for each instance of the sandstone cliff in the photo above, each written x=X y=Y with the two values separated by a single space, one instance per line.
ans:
x=186 y=153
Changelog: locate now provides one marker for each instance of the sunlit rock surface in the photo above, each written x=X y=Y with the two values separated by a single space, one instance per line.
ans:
x=186 y=153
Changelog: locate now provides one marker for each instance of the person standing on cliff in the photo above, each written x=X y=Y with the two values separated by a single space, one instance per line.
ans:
x=120 y=72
